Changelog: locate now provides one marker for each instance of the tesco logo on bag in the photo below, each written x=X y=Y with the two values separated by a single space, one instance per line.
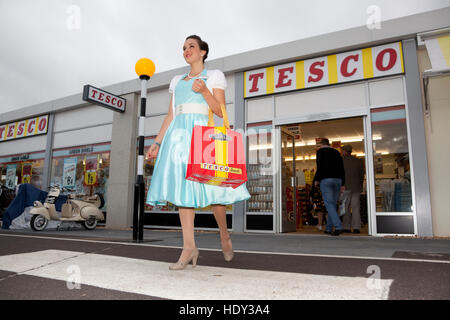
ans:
x=337 y=68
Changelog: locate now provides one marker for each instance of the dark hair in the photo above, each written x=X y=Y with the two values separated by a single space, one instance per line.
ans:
x=325 y=142
x=202 y=44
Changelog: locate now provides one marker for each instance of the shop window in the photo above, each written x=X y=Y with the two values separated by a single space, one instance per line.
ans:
x=259 y=168
x=84 y=169
x=22 y=168
x=391 y=160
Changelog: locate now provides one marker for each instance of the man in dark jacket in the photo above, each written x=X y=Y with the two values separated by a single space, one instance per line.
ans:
x=330 y=175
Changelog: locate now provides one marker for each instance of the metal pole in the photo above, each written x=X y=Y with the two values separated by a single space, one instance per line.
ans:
x=139 y=190
x=136 y=213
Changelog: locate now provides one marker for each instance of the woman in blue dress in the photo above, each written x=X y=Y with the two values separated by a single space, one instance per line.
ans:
x=192 y=94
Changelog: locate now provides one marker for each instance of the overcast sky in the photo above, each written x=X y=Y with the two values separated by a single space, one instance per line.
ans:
x=51 y=48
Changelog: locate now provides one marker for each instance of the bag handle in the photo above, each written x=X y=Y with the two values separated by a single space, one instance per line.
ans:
x=226 y=123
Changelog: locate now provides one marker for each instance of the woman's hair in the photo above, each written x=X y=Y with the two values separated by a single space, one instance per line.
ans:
x=202 y=44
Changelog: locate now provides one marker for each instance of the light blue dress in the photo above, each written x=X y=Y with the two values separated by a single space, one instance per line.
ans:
x=169 y=182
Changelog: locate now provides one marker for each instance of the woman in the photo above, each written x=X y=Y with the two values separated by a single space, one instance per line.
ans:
x=192 y=94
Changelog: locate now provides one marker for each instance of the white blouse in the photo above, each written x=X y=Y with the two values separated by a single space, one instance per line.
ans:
x=216 y=80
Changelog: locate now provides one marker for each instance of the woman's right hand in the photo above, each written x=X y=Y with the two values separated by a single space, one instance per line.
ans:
x=152 y=152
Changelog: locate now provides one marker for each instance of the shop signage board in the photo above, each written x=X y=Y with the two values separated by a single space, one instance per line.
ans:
x=11 y=176
x=81 y=151
x=24 y=128
x=103 y=98
x=27 y=171
x=23 y=157
x=69 y=172
x=353 y=65
x=90 y=171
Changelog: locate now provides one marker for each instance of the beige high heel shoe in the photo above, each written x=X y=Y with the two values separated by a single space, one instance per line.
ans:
x=228 y=255
x=180 y=265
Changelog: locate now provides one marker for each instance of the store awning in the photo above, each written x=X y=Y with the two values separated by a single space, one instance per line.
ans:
x=438 y=48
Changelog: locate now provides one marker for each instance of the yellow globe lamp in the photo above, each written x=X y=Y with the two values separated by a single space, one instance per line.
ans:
x=145 y=68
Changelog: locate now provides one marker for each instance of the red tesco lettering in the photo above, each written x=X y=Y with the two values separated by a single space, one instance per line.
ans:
x=255 y=78
x=314 y=70
x=20 y=128
x=42 y=124
x=11 y=131
x=392 y=59
x=344 y=65
x=31 y=126
x=282 y=76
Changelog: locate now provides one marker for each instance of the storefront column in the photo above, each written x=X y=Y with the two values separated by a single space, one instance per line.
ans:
x=418 y=145
x=122 y=171
x=239 y=123
x=46 y=174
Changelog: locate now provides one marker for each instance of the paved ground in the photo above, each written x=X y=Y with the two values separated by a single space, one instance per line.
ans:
x=106 y=264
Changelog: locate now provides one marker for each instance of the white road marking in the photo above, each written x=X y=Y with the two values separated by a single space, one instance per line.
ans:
x=154 y=278
x=241 y=251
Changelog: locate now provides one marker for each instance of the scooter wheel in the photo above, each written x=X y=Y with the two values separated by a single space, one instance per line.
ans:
x=38 y=222
x=90 y=224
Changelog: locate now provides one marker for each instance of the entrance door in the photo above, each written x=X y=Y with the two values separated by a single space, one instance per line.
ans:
x=347 y=133
x=288 y=182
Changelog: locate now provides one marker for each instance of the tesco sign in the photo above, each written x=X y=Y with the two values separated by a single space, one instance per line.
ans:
x=24 y=128
x=103 y=98
x=336 y=68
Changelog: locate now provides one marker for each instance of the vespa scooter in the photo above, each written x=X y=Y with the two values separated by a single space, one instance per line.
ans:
x=79 y=208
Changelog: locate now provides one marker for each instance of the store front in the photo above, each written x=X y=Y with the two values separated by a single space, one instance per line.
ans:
x=354 y=98
x=20 y=163
x=373 y=91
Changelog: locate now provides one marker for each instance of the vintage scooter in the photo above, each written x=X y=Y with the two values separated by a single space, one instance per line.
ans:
x=78 y=208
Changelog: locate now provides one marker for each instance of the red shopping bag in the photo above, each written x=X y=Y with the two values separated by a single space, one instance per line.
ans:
x=217 y=155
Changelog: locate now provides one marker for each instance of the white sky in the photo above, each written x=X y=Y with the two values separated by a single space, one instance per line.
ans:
x=42 y=58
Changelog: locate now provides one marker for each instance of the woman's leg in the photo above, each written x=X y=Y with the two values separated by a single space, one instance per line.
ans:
x=187 y=216
x=220 y=215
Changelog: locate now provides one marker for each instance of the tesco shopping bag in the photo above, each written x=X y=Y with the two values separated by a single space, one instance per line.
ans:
x=217 y=155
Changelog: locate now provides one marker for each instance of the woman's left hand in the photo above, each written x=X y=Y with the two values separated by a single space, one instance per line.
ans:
x=199 y=86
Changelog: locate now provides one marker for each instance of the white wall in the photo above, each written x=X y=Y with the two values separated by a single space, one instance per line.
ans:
x=327 y=100
x=259 y=109
x=83 y=136
x=388 y=92
x=25 y=145
x=157 y=102
x=83 y=117
x=88 y=125
x=437 y=133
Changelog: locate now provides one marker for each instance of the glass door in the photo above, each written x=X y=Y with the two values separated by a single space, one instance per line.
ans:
x=288 y=182
x=393 y=203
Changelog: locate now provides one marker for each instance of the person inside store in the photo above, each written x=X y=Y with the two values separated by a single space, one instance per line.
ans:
x=354 y=178
x=192 y=94
x=318 y=206
x=330 y=176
